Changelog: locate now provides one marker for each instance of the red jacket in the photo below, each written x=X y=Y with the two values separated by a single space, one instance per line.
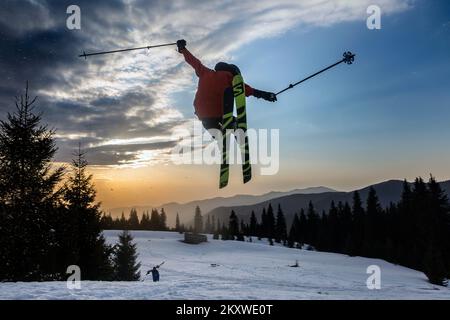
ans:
x=208 y=101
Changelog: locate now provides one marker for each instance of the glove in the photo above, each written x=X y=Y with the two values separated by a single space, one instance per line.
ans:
x=181 y=44
x=269 y=96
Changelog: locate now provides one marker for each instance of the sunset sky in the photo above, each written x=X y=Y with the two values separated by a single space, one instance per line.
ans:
x=385 y=117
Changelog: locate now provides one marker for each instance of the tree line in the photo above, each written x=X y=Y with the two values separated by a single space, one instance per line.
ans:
x=155 y=221
x=415 y=232
x=49 y=218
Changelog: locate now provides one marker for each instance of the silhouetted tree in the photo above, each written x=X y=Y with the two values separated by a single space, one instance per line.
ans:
x=208 y=224
x=126 y=267
x=253 y=224
x=198 y=220
x=213 y=224
x=358 y=226
x=270 y=222
x=233 y=227
x=28 y=195
x=133 y=220
x=91 y=252
x=145 y=221
x=177 y=223
x=280 y=228
x=154 y=220
x=294 y=232
x=312 y=225
x=162 y=220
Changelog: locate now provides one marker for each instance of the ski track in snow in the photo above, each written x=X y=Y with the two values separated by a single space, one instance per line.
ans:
x=245 y=271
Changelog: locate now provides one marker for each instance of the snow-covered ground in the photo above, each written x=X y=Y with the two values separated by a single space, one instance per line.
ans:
x=239 y=270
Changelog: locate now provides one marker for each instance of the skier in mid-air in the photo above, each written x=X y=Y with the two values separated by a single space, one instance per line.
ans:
x=215 y=90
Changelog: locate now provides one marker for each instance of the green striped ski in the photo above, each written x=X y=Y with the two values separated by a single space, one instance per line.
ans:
x=239 y=97
x=227 y=126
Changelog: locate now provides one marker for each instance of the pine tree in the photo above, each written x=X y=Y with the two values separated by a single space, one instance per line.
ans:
x=280 y=229
x=91 y=251
x=345 y=229
x=253 y=224
x=312 y=225
x=372 y=225
x=213 y=224
x=133 y=220
x=219 y=226
x=177 y=223
x=243 y=228
x=107 y=222
x=323 y=239
x=332 y=232
x=358 y=225
x=302 y=227
x=28 y=195
x=198 y=220
x=123 y=222
x=216 y=228
x=154 y=220
x=264 y=227
x=145 y=221
x=225 y=233
x=438 y=221
x=208 y=224
x=126 y=267
x=270 y=222
x=434 y=267
x=162 y=220
x=233 y=227
x=294 y=231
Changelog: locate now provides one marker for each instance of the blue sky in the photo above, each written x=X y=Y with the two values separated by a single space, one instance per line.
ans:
x=390 y=110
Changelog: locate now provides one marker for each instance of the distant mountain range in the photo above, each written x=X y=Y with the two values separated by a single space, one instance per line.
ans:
x=291 y=202
x=186 y=210
x=389 y=191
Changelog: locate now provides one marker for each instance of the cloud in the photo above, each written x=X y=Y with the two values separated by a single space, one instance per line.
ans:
x=128 y=97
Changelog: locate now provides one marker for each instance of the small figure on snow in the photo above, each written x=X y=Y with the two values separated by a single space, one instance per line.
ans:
x=215 y=90
x=155 y=272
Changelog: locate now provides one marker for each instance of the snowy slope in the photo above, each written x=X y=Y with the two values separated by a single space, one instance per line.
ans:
x=245 y=271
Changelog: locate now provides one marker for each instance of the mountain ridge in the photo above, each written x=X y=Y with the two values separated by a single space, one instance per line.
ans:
x=186 y=210
x=387 y=191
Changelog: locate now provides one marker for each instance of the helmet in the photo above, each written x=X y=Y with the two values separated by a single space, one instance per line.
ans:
x=223 y=66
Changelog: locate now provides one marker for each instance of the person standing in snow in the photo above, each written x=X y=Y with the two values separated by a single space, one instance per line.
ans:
x=155 y=273
x=215 y=90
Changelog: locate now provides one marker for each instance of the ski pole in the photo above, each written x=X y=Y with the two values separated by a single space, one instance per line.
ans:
x=85 y=55
x=349 y=58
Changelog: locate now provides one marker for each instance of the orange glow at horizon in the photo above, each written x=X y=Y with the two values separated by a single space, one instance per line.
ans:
x=158 y=184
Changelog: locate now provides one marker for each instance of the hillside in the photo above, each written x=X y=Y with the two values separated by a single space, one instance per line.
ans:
x=243 y=271
x=186 y=210
x=389 y=191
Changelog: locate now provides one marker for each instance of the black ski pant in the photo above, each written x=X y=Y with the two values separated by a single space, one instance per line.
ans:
x=228 y=103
